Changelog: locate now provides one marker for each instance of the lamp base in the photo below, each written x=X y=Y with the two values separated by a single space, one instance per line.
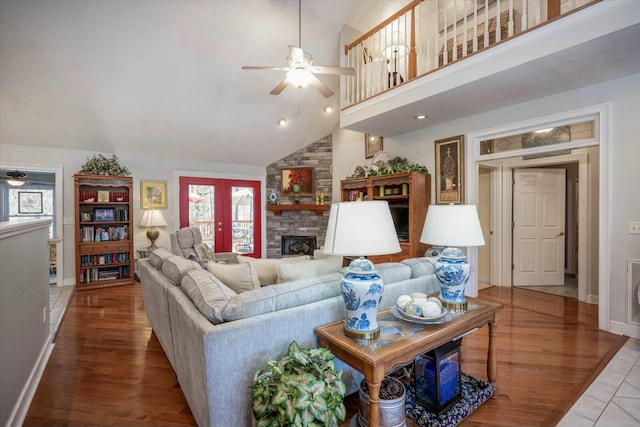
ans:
x=362 y=289
x=152 y=234
x=452 y=271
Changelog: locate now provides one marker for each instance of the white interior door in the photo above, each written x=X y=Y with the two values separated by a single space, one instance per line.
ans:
x=538 y=227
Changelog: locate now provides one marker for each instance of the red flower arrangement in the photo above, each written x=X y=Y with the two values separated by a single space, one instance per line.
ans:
x=299 y=177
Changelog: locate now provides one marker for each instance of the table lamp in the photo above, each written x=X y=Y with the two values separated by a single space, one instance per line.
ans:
x=152 y=219
x=449 y=226
x=361 y=229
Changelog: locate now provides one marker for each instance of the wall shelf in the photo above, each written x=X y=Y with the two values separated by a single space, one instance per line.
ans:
x=277 y=209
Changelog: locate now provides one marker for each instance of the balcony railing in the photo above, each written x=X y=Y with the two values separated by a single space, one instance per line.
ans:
x=411 y=43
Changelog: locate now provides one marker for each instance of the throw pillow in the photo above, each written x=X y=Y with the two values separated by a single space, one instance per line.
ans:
x=207 y=293
x=239 y=277
x=266 y=268
x=288 y=272
x=176 y=266
x=204 y=252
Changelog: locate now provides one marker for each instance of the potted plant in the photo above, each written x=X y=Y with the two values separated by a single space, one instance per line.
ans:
x=300 y=388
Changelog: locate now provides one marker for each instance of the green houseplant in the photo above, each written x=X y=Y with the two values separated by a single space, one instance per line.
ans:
x=301 y=388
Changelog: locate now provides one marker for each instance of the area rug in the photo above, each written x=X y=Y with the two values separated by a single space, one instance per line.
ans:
x=474 y=393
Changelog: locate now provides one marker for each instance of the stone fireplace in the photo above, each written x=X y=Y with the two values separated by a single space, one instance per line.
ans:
x=298 y=245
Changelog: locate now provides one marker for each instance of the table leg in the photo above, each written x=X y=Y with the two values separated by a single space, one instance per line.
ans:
x=492 y=361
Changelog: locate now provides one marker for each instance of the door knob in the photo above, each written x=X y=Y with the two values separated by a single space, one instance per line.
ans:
x=561 y=234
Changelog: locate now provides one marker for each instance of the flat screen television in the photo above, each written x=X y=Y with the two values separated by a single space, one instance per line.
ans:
x=400 y=215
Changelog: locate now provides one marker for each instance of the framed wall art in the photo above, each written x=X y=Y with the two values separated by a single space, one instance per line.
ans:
x=153 y=195
x=372 y=145
x=449 y=170
x=29 y=202
x=303 y=177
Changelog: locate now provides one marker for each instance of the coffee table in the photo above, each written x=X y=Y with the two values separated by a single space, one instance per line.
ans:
x=400 y=341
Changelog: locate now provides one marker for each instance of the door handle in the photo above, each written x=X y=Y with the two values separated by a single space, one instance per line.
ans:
x=561 y=234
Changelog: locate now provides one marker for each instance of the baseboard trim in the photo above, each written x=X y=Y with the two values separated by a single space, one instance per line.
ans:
x=625 y=329
x=19 y=412
x=593 y=299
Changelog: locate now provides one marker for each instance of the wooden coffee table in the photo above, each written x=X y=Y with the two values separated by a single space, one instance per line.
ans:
x=401 y=341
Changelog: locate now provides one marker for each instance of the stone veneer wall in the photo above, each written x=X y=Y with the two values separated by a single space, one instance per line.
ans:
x=317 y=155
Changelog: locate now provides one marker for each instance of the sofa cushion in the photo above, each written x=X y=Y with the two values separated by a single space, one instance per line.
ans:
x=207 y=293
x=157 y=256
x=176 y=266
x=273 y=298
x=204 y=252
x=266 y=268
x=290 y=271
x=420 y=266
x=392 y=272
x=239 y=277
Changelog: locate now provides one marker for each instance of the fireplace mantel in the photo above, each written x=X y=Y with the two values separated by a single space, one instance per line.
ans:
x=277 y=209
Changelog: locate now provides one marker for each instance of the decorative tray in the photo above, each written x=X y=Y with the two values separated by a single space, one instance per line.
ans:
x=444 y=316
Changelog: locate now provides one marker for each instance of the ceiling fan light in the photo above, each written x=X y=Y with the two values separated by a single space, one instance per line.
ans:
x=328 y=109
x=282 y=122
x=15 y=182
x=299 y=77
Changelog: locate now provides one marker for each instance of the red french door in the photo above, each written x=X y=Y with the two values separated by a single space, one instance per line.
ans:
x=227 y=212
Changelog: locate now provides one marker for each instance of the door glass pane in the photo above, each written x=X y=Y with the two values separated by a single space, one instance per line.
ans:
x=202 y=212
x=242 y=219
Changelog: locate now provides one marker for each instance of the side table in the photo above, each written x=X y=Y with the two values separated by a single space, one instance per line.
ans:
x=401 y=341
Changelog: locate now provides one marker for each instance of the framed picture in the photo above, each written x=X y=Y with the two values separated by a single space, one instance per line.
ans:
x=29 y=202
x=450 y=170
x=85 y=216
x=104 y=214
x=300 y=176
x=153 y=195
x=103 y=196
x=372 y=145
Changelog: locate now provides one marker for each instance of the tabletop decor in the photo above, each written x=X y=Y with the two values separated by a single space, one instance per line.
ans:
x=452 y=225
x=100 y=165
x=361 y=229
x=301 y=385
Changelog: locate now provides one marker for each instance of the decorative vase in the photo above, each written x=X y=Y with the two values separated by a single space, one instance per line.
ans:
x=296 y=193
x=452 y=271
x=362 y=290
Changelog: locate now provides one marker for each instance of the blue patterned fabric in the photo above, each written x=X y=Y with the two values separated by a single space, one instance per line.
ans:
x=474 y=393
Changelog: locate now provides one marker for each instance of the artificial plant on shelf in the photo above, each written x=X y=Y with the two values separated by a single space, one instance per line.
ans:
x=100 y=165
x=301 y=388
x=388 y=167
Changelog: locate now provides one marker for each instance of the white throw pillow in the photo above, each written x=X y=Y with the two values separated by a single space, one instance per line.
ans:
x=288 y=272
x=266 y=268
x=239 y=277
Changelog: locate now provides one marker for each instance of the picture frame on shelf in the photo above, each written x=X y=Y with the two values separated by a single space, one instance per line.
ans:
x=103 y=196
x=85 y=216
x=449 y=170
x=104 y=214
x=29 y=202
x=372 y=145
x=302 y=176
x=153 y=194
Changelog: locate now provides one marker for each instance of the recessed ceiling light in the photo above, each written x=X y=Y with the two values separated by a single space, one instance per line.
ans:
x=282 y=122
x=421 y=116
x=328 y=109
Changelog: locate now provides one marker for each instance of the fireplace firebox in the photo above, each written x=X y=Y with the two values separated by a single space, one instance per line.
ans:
x=298 y=245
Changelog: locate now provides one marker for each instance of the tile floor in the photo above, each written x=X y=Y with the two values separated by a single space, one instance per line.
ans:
x=59 y=297
x=613 y=399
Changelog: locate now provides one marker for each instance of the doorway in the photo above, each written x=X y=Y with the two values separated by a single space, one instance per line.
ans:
x=227 y=212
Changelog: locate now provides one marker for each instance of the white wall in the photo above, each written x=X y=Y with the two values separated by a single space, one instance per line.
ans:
x=143 y=168
x=624 y=203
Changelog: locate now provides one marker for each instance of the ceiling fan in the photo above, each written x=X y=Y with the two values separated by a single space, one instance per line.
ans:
x=301 y=71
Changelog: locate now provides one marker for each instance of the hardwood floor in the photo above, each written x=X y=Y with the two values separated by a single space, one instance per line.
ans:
x=108 y=369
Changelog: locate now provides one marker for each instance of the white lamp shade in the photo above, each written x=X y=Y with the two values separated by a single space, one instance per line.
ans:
x=361 y=228
x=152 y=218
x=452 y=225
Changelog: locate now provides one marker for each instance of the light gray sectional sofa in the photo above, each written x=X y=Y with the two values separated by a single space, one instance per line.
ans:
x=216 y=339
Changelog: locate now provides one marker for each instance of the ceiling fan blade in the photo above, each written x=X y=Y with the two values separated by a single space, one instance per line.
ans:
x=331 y=70
x=279 y=88
x=250 y=67
x=320 y=87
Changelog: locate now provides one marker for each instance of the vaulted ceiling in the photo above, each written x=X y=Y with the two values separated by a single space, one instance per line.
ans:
x=164 y=78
